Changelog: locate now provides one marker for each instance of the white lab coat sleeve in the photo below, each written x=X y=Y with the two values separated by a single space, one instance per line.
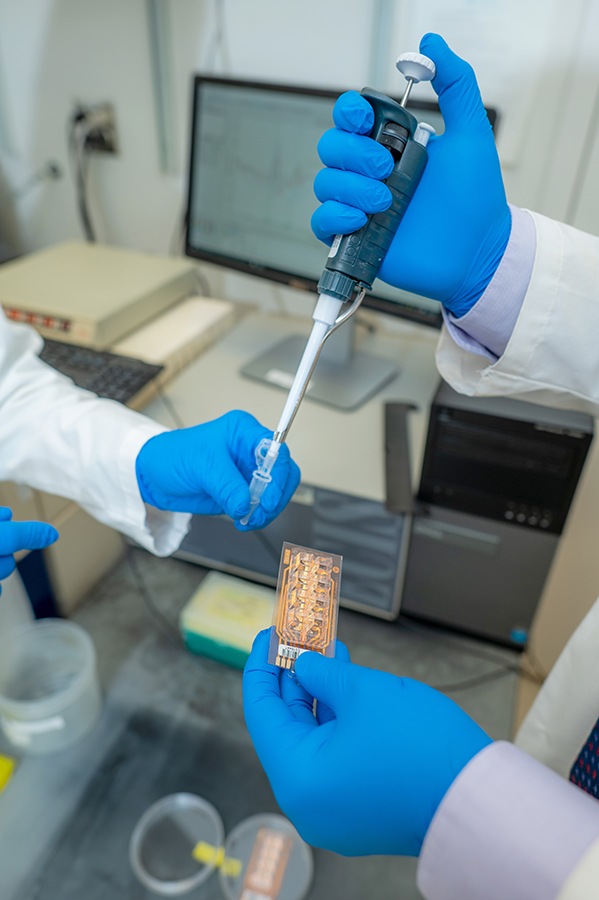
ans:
x=63 y=440
x=567 y=706
x=508 y=827
x=552 y=357
x=583 y=881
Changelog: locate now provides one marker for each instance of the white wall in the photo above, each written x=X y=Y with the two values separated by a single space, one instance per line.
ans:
x=54 y=52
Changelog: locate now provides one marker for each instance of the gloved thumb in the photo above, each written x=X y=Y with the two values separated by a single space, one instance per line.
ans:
x=15 y=536
x=229 y=488
x=455 y=83
x=331 y=681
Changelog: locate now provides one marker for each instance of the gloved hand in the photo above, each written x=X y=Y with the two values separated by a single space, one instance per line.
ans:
x=368 y=773
x=207 y=470
x=456 y=229
x=16 y=536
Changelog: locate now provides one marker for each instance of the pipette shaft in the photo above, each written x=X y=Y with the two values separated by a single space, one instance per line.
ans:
x=325 y=316
x=355 y=259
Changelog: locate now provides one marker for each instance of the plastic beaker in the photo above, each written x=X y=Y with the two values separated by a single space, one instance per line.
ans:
x=162 y=849
x=49 y=691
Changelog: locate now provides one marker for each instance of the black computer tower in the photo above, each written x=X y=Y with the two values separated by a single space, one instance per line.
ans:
x=497 y=482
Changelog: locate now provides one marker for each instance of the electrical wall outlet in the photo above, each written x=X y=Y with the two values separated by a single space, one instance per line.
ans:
x=99 y=124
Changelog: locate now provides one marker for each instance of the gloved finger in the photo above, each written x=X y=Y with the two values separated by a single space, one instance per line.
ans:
x=280 y=491
x=341 y=651
x=274 y=730
x=7 y=566
x=324 y=713
x=5 y=514
x=352 y=112
x=280 y=472
x=332 y=681
x=297 y=698
x=355 y=153
x=274 y=495
x=367 y=194
x=244 y=435
x=16 y=536
x=455 y=83
x=336 y=218
x=229 y=489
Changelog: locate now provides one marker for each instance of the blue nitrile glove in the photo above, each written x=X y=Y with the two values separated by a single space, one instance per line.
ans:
x=15 y=536
x=367 y=775
x=456 y=229
x=207 y=469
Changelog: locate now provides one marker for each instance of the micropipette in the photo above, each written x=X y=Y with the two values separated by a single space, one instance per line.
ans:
x=355 y=259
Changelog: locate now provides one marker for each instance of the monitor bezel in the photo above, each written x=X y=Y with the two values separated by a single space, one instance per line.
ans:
x=290 y=279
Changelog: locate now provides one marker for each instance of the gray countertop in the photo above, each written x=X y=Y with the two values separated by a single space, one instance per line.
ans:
x=174 y=722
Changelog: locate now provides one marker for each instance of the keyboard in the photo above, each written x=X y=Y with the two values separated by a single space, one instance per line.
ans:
x=108 y=375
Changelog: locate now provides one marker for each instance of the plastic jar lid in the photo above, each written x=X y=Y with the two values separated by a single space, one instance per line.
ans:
x=298 y=870
x=163 y=841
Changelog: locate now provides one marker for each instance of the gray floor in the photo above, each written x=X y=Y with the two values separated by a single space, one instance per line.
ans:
x=174 y=722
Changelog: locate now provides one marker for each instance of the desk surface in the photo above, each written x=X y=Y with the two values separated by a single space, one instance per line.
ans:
x=174 y=722
x=349 y=457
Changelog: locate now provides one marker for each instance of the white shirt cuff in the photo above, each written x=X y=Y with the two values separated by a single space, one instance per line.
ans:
x=507 y=828
x=488 y=326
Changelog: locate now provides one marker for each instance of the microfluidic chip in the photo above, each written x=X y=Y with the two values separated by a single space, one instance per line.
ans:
x=306 y=607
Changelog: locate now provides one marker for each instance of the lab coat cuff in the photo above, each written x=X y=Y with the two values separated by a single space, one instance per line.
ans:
x=507 y=827
x=156 y=530
x=488 y=326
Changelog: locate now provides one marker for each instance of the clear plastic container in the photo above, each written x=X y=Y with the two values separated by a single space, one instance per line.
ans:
x=161 y=849
x=299 y=866
x=49 y=691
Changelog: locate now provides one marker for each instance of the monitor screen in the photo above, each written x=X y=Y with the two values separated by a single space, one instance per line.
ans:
x=253 y=162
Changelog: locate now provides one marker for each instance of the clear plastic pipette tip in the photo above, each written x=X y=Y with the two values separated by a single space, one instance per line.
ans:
x=266 y=455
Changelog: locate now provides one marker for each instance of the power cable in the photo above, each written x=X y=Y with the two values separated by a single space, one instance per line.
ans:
x=170 y=408
x=175 y=247
x=50 y=171
x=270 y=548
x=79 y=129
x=169 y=630
x=219 y=43
x=203 y=283
x=428 y=634
x=476 y=681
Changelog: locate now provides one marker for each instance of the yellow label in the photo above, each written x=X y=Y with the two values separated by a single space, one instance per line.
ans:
x=210 y=855
x=7 y=767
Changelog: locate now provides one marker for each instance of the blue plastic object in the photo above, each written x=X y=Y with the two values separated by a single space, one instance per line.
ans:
x=456 y=229
x=366 y=775
x=15 y=536
x=206 y=470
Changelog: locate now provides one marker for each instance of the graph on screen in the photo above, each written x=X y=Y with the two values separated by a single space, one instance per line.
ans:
x=254 y=159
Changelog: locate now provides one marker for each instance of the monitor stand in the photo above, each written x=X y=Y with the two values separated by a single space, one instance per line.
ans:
x=343 y=378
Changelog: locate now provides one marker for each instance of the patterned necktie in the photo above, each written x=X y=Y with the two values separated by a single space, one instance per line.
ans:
x=585 y=770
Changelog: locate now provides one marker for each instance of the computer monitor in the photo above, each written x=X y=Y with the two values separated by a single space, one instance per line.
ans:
x=253 y=162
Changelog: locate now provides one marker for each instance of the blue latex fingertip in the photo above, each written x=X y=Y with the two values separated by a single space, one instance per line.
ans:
x=354 y=153
x=353 y=112
x=359 y=191
x=7 y=566
x=52 y=534
x=336 y=218
x=341 y=651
